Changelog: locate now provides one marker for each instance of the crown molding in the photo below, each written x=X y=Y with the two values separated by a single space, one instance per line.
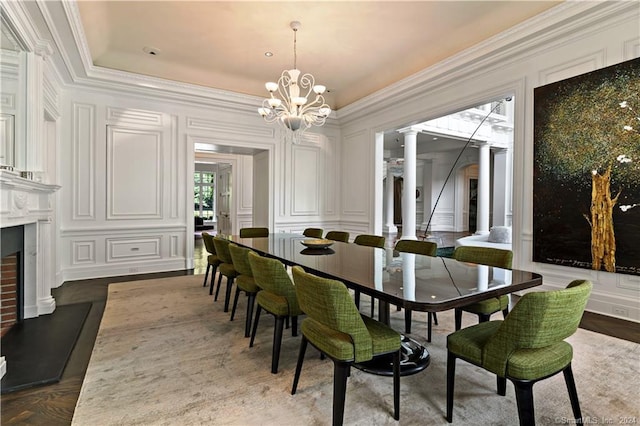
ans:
x=540 y=32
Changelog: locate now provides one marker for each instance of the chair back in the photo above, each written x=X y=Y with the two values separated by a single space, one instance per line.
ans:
x=341 y=236
x=484 y=256
x=222 y=249
x=426 y=248
x=313 y=232
x=271 y=275
x=538 y=320
x=208 y=243
x=329 y=303
x=240 y=258
x=254 y=232
x=370 y=240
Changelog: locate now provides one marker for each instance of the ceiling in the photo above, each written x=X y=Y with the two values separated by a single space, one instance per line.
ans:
x=353 y=47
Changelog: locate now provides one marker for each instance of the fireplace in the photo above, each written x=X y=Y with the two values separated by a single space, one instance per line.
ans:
x=11 y=277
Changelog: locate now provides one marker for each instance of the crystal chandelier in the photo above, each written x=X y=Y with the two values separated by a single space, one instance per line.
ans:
x=289 y=102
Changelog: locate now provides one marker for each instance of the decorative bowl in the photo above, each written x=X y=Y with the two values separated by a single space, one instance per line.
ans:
x=318 y=243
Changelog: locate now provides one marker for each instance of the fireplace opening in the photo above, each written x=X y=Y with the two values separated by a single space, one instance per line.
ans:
x=11 y=277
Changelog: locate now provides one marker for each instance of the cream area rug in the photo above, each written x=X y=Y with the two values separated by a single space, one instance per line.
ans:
x=167 y=354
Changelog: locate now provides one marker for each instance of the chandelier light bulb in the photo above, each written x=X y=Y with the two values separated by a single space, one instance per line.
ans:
x=295 y=101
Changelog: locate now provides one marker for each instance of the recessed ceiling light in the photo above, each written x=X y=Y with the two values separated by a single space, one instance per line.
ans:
x=268 y=54
x=151 y=50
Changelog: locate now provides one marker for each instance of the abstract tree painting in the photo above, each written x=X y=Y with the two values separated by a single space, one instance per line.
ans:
x=586 y=191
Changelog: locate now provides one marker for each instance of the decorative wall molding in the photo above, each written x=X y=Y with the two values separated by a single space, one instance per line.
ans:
x=306 y=187
x=133 y=249
x=84 y=161
x=218 y=126
x=83 y=252
x=573 y=67
x=122 y=116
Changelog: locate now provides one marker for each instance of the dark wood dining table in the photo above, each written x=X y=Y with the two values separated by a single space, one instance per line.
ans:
x=410 y=281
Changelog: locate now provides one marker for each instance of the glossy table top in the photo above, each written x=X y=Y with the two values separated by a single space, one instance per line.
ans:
x=421 y=283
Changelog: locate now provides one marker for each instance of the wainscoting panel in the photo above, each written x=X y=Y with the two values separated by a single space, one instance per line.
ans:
x=133 y=116
x=306 y=184
x=83 y=252
x=84 y=161
x=356 y=179
x=132 y=153
x=573 y=67
x=120 y=249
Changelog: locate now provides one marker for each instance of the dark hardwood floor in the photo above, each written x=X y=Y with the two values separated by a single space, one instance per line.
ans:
x=53 y=405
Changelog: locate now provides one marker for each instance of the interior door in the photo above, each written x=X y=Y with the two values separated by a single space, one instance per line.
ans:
x=223 y=195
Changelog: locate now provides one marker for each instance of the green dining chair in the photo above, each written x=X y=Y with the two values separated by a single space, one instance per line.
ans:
x=244 y=282
x=278 y=297
x=484 y=256
x=341 y=236
x=313 y=232
x=369 y=241
x=334 y=326
x=213 y=261
x=226 y=269
x=526 y=347
x=425 y=248
x=254 y=232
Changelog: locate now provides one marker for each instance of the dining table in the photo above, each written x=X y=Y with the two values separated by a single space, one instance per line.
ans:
x=407 y=280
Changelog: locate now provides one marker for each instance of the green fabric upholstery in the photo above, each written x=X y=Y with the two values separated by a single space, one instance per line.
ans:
x=226 y=269
x=425 y=248
x=526 y=347
x=313 y=232
x=484 y=256
x=213 y=261
x=254 y=232
x=336 y=328
x=338 y=236
x=370 y=240
x=244 y=282
x=277 y=296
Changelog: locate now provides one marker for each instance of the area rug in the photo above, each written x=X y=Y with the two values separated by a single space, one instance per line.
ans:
x=167 y=354
x=37 y=349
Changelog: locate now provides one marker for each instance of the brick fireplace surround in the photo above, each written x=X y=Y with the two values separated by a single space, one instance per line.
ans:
x=26 y=207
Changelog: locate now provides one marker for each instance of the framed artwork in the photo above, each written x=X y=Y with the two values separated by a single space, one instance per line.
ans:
x=586 y=190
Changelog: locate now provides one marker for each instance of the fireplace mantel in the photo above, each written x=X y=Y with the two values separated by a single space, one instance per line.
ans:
x=24 y=201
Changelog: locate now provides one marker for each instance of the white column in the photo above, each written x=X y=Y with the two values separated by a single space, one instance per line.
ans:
x=389 y=227
x=482 y=221
x=409 y=186
x=501 y=188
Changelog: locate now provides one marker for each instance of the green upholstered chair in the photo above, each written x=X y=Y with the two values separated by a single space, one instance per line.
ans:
x=369 y=241
x=313 y=232
x=226 y=269
x=484 y=256
x=277 y=296
x=254 y=232
x=213 y=261
x=341 y=236
x=335 y=327
x=425 y=248
x=526 y=347
x=244 y=282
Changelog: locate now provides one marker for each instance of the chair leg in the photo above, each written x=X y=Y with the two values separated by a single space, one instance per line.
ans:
x=396 y=385
x=277 y=342
x=215 y=298
x=228 y=294
x=247 y=324
x=505 y=312
x=501 y=384
x=206 y=274
x=458 y=320
x=484 y=317
x=435 y=318
x=235 y=303
x=429 y=319
x=340 y=374
x=213 y=279
x=524 y=399
x=294 y=326
x=451 y=371
x=407 y=320
x=356 y=298
x=296 y=377
x=573 y=393
x=255 y=325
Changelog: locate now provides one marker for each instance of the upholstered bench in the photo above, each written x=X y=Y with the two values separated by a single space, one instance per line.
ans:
x=498 y=237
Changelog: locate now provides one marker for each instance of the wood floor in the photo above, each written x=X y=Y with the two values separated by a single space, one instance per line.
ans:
x=54 y=404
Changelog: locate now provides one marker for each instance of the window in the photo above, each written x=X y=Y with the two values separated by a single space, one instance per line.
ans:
x=203 y=191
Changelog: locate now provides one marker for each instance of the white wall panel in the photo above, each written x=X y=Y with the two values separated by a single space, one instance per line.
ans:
x=357 y=162
x=134 y=170
x=124 y=249
x=84 y=140
x=306 y=181
x=117 y=115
